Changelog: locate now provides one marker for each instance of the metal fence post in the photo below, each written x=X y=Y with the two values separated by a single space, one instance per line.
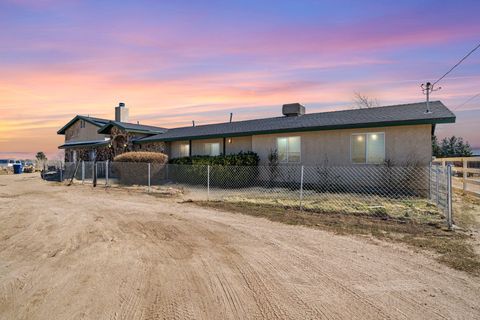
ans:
x=465 y=175
x=301 y=187
x=106 y=173
x=208 y=182
x=95 y=168
x=83 y=172
x=148 y=177
x=449 y=197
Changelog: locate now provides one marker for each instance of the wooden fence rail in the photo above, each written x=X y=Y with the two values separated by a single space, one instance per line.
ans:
x=466 y=173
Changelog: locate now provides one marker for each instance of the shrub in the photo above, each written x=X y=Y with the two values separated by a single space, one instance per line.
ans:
x=132 y=167
x=28 y=169
x=146 y=157
x=239 y=159
x=235 y=170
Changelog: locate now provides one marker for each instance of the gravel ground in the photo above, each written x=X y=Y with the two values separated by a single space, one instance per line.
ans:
x=83 y=253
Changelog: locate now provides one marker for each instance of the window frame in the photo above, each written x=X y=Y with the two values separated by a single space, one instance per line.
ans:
x=365 y=134
x=288 y=149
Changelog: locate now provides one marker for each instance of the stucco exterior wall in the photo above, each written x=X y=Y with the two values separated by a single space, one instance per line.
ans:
x=75 y=133
x=238 y=144
x=404 y=145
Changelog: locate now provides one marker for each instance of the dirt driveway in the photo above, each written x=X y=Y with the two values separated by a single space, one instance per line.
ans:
x=83 y=253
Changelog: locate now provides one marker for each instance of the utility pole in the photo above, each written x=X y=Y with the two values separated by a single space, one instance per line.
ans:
x=427 y=88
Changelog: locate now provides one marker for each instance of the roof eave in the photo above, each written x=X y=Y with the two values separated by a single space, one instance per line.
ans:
x=144 y=131
x=106 y=129
x=102 y=129
x=322 y=128
x=96 y=144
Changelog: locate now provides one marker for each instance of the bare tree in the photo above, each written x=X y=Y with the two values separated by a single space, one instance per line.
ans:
x=363 y=101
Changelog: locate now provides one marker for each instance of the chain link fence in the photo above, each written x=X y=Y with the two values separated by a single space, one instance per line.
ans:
x=395 y=192
x=441 y=189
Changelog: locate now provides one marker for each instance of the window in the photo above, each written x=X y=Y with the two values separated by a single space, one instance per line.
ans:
x=212 y=149
x=185 y=150
x=368 y=147
x=82 y=123
x=289 y=149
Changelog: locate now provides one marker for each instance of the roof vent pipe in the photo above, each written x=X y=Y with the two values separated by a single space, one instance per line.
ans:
x=231 y=115
x=193 y=123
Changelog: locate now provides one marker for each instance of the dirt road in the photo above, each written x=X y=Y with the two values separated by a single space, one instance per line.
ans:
x=83 y=253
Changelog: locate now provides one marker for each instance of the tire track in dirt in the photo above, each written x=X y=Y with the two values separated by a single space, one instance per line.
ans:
x=111 y=254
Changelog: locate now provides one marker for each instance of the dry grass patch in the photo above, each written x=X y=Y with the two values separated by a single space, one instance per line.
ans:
x=419 y=210
x=454 y=249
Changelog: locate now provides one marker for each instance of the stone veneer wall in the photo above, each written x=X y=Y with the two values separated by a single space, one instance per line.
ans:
x=118 y=139
x=83 y=153
x=151 y=147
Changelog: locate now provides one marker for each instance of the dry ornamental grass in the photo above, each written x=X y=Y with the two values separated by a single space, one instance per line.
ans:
x=145 y=157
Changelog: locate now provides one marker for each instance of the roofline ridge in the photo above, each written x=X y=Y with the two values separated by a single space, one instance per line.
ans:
x=307 y=114
x=138 y=124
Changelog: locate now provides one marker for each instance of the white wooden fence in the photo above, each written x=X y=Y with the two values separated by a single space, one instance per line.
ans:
x=466 y=173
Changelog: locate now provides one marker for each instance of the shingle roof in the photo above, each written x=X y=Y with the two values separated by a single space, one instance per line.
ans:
x=95 y=121
x=106 y=124
x=404 y=114
x=89 y=143
x=131 y=127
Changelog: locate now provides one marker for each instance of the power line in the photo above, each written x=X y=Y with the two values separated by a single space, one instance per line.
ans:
x=457 y=64
x=468 y=100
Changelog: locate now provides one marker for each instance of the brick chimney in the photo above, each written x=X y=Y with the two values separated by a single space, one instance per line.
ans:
x=121 y=113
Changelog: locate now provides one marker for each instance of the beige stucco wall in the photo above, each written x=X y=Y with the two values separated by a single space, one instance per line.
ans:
x=403 y=145
x=75 y=133
x=238 y=144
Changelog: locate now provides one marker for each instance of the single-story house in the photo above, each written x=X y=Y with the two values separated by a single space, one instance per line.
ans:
x=397 y=134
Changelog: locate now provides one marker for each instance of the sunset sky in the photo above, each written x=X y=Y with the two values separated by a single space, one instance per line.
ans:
x=172 y=62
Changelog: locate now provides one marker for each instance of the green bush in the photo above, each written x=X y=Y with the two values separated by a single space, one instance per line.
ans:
x=235 y=170
x=239 y=159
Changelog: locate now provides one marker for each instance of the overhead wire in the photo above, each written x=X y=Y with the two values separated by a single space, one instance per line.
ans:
x=457 y=64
